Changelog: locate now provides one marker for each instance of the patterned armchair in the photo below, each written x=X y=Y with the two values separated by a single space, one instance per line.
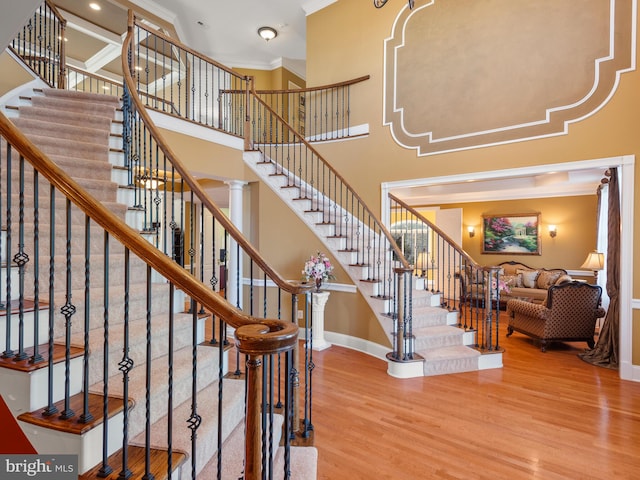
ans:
x=569 y=314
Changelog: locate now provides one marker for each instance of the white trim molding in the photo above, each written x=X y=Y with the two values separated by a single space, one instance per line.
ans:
x=626 y=175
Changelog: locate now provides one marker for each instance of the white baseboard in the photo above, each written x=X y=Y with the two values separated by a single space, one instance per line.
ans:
x=355 y=343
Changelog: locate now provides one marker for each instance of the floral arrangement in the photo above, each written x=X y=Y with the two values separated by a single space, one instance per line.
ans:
x=318 y=268
x=501 y=285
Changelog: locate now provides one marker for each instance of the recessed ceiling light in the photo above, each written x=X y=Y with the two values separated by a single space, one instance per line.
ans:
x=95 y=6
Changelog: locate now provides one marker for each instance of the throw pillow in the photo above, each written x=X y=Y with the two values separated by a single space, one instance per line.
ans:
x=546 y=279
x=563 y=279
x=529 y=278
x=512 y=281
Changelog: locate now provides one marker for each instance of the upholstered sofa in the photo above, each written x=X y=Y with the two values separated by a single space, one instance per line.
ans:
x=527 y=282
x=569 y=314
x=519 y=280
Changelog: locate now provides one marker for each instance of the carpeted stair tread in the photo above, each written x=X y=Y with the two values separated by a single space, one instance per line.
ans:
x=303 y=464
x=425 y=316
x=66 y=117
x=437 y=337
x=182 y=384
x=453 y=359
x=182 y=334
x=233 y=452
x=80 y=150
x=73 y=106
x=50 y=128
x=94 y=169
x=207 y=402
x=84 y=97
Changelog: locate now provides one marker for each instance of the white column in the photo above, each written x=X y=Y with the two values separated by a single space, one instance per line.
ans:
x=233 y=263
x=318 y=302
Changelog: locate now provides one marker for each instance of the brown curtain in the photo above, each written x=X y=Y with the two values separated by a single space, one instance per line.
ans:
x=605 y=352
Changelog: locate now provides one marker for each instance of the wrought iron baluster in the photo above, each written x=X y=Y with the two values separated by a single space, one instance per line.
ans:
x=125 y=366
x=36 y=357
x=86 y=415
x=170 y=381
x=147 y=392
x=21 y=259
x=105 y=468
x=51 y=409
x=195 y=419
x=68 y=310
x=8 y=352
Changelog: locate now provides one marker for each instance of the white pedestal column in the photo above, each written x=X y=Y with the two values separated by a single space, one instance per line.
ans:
x=318 y=302
x=234 y=266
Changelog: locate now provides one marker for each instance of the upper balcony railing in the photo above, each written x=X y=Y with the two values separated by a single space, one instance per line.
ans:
x=176 y=80
x=82 y=81
x=40 y=44
x=317 y=113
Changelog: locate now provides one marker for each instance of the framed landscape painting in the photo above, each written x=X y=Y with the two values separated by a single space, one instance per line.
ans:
x=511 y=234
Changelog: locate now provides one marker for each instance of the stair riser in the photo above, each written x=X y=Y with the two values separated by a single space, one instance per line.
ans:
x=450 y=366
x=27 y=392
x=28 y=322
x=88 y=447
x=430 y=343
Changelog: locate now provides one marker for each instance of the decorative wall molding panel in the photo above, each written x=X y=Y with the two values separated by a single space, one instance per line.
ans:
x=466 y=74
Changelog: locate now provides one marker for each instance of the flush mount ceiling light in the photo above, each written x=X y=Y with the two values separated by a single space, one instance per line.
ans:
x=267 y=33
x=95 y=6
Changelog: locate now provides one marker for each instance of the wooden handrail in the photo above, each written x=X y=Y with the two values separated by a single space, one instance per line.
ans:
x=346 y=83
x=56 y=12
x=173 y=41
x=274 y=335
x=292 y=287
x=365 y=207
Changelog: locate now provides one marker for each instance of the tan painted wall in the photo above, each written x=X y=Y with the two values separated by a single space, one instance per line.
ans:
x=349 y=37
x=205 y=157
x=276 y=79
x=13 y=75
x=574 y=217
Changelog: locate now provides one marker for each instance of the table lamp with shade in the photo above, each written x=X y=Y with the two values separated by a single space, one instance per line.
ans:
x=594 y=262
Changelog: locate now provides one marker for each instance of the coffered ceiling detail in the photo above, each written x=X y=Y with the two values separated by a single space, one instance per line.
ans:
x=467 y=74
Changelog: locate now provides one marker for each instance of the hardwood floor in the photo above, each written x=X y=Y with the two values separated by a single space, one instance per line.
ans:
x=544 y=415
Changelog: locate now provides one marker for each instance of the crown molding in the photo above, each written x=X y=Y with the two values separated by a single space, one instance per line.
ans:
x=312 y=6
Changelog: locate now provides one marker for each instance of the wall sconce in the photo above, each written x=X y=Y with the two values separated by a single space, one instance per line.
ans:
x=472 y=231
x=553 y=231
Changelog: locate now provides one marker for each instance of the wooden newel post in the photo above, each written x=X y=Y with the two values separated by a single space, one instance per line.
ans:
x=252 y=446
x=401 y=275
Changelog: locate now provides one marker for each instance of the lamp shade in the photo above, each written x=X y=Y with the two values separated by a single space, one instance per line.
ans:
x=594 y=261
